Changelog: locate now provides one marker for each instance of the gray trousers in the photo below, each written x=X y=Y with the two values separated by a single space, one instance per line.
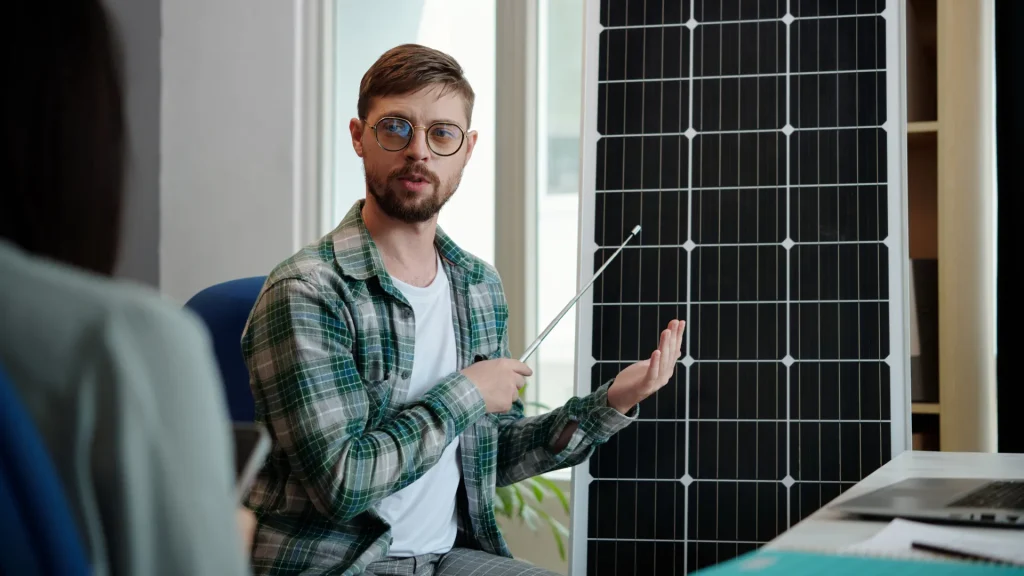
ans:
x=458 y=562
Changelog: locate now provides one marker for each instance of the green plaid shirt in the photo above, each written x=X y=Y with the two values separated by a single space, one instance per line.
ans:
x=329 y=347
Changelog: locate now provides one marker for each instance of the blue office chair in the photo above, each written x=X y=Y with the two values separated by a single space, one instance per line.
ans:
x=37 y=527
x=224 y=308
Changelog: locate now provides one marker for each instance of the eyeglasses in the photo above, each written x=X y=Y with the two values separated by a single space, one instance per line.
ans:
x=394 y=134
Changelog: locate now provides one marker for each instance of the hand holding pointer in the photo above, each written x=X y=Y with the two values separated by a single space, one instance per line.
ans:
x=641 y=380
x=498 y=381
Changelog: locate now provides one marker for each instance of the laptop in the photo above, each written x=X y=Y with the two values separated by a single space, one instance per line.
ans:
x=954 y=500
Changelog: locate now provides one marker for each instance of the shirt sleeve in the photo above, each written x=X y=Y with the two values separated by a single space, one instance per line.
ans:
x=526 y=445
x=298 y=349
x=161 y=456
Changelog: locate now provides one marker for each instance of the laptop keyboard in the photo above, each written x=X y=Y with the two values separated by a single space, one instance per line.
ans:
x=1008 y=495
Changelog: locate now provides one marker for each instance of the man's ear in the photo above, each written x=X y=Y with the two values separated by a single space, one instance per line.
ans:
x=356 y=128
x=470 y=144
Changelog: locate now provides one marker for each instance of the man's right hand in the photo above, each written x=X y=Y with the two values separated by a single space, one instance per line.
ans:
x=498 y=381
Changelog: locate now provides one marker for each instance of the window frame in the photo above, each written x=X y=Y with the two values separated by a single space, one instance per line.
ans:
x=515 y=202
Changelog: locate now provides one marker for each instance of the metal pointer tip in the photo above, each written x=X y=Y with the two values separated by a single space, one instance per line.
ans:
x=636 y=229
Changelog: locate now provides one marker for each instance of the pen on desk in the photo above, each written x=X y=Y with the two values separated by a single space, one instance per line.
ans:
x=953 y=553
x=533 y=346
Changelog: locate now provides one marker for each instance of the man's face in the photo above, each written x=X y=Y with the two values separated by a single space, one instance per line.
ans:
x=412 y=184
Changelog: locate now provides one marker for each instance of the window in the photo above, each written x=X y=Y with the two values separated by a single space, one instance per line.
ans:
x=559 y=96
x=364 y=31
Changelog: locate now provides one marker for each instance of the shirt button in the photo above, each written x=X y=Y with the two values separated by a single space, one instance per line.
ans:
x=404 y=374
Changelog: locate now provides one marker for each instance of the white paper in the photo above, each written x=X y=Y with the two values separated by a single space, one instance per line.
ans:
x=895 y=539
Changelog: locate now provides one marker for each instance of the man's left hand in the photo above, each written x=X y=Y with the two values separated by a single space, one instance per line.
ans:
x=644 y=378
x=246 y=526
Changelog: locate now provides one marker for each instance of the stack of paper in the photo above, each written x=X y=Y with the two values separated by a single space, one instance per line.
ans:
x=1004 y=545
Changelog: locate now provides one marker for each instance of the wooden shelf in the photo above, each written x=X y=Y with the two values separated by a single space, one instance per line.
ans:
x=922 y=127
x=924 y=408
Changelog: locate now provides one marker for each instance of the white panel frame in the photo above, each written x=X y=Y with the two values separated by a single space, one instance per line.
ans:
x=580 y=493
x=896 y=242
x=899 y=235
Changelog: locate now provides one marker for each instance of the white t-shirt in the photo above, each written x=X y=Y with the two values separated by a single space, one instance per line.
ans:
x=422 y=515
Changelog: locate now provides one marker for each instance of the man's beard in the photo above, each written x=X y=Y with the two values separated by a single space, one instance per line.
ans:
x=406 y=206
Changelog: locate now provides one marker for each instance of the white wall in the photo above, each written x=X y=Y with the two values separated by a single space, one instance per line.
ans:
x=228 y=202
x=138 y=29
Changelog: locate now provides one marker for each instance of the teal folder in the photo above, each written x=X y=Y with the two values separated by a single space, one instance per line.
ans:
x=787 y=563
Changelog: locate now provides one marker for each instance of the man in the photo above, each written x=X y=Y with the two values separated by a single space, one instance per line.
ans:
x=390 y=433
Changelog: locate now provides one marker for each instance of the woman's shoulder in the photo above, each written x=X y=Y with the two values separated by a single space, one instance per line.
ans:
x=75 y=293
x=55 y=310
x=133 y=376
x=74 y=335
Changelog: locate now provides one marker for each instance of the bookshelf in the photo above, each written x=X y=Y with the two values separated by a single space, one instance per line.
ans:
x=950 y=146
x=922 y=133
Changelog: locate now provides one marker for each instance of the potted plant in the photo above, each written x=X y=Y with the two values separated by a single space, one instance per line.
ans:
x=516 y=503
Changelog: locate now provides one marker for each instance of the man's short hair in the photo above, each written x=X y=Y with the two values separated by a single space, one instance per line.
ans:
x=409 y=68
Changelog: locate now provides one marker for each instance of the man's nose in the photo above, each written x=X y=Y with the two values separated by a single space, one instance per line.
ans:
x=417 y=150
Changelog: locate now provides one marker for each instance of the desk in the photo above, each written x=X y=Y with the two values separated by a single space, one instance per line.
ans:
x=827 y=529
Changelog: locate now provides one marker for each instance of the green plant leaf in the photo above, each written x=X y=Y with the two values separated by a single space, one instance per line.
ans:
x=554 y=489
x=538 y=491
x=558 y=530
x=519 y=498
x=530 y=517
x=534 y=482
x=558 y=526
x=522 y=391
x=559 y=542
x=504 y=494
x=514 y=494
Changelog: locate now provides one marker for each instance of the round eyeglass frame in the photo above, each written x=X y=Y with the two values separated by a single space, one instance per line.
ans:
x=414 y=127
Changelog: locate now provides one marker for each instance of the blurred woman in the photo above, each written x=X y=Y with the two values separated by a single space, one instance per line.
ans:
x=121 y=384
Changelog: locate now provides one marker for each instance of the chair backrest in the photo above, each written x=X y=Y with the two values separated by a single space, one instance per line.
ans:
x=37 y=528
x=224 y=308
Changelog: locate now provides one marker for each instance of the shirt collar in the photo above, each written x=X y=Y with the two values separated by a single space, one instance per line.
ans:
x=359 y=258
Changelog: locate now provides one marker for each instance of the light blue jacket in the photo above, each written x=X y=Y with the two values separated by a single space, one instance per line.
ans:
x=125 y=392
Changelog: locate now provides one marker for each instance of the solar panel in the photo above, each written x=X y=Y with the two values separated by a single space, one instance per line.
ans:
x=759 y=145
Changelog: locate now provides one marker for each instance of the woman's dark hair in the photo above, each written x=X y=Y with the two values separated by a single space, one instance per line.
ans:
x=62 y=141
